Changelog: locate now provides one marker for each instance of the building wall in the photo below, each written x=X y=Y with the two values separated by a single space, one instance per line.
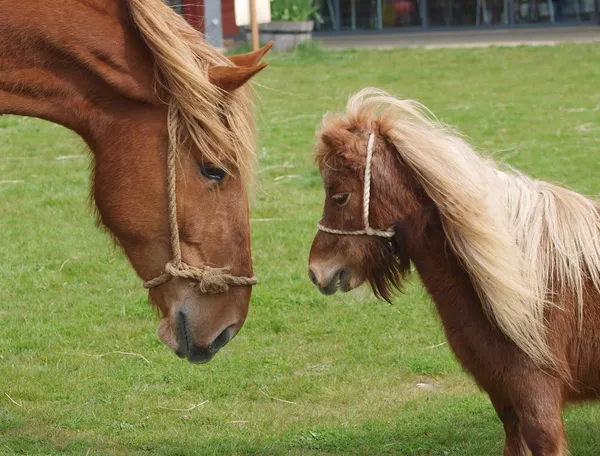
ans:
x=228 y=14
x=194 y=13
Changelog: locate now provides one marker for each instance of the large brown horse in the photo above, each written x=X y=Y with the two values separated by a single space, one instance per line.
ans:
x=171 y=125
x=513 y=264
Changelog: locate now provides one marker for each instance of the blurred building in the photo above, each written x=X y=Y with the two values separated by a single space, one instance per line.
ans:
x=194 y=11
x=340 y=15
x=363 y=15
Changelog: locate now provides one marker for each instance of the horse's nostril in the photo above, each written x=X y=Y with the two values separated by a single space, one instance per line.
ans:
x=182 y=335
x=203 y=354
x=312 y=276
x=222 y=339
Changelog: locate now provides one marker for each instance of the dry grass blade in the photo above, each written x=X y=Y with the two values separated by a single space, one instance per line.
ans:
x=119 y=353
x=437 y=345
x=69 y=157
x=274 y=219
x=268 y=168
x=586 y=127
x=277 y=399
x=18 y=404
x=286 y=176
x=193 y=407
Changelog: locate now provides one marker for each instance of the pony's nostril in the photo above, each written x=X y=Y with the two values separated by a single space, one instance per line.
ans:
x=344 y=280
x=312 y=276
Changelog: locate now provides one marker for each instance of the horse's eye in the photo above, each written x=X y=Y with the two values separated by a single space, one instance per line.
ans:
x=212 y=172
x=341 y=199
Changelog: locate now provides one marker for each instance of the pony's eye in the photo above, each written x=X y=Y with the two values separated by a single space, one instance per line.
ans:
x=212 y=172
x=341 y=199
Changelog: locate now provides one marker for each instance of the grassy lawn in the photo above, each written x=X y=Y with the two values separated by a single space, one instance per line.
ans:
x=308 y=375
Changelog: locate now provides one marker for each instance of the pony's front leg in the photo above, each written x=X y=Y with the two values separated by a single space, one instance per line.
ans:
x=538 y=405
x=515 y=445
x=545 y=435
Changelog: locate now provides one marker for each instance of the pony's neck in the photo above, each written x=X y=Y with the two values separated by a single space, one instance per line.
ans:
x=78 y=64
x=477 y=344
x=423 y=238
x=445 y=279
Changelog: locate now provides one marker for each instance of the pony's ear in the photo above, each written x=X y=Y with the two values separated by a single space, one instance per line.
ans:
x=251 y=58
x=340 y=141
x=232 y=78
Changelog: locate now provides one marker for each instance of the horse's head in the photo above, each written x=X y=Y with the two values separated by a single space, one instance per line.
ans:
x=131 y=194
x=356 y=243
x=139 y=84
x=208 y=127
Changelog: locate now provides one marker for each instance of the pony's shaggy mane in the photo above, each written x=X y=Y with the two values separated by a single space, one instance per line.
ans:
x=220 y=124
x=525 y=243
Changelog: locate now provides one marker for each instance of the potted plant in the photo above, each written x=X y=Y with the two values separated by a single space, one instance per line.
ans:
x=292 y=23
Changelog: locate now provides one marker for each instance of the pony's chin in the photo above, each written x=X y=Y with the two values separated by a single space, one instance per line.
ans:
x=352 y=283
x=346 y=288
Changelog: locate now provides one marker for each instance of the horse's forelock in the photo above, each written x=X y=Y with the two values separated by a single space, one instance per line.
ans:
x=220 y=124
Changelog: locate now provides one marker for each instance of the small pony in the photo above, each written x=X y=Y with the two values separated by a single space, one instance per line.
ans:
x=512 y=264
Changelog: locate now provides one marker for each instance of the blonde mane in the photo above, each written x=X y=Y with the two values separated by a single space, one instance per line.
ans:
x=220 y=124
x=523 y=242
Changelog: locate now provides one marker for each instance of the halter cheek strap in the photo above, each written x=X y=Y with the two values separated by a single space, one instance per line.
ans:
x=367 y=230
x=206 y=278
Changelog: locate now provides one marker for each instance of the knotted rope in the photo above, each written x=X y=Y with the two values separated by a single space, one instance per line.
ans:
x=208 y=279
x=368 y=231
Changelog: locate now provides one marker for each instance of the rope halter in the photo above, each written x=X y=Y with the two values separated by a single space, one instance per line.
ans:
x=208 y=279
x=367 y=230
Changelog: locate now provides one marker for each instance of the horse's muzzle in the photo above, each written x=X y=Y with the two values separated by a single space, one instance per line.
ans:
x=193 y=352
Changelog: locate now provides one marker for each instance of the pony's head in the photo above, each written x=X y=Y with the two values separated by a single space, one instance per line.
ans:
x=367 y=191
x=201 y=113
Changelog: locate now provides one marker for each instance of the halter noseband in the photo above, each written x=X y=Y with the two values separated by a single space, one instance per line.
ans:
x=208 y=279
x=367 y=230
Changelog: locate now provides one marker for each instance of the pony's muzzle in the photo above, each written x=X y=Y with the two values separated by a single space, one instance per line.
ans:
x=188 y=348
x=329 y=281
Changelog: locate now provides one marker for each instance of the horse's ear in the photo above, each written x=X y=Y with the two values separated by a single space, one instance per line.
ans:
x=340 y=141
x=252 y=58
x=232 y=78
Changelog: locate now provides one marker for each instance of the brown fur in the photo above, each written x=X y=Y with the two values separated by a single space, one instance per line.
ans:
x=528 y=399
x=83 y=64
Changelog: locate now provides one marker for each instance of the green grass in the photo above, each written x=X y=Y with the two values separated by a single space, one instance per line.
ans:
x=349 y=364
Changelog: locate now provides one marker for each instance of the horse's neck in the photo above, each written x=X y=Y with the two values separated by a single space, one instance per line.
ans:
x=75 y=63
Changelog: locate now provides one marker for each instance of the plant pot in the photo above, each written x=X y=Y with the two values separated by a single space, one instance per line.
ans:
x=286 y=35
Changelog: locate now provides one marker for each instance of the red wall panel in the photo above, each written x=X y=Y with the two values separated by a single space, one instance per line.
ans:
x=194 y=13
x=228 y=16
